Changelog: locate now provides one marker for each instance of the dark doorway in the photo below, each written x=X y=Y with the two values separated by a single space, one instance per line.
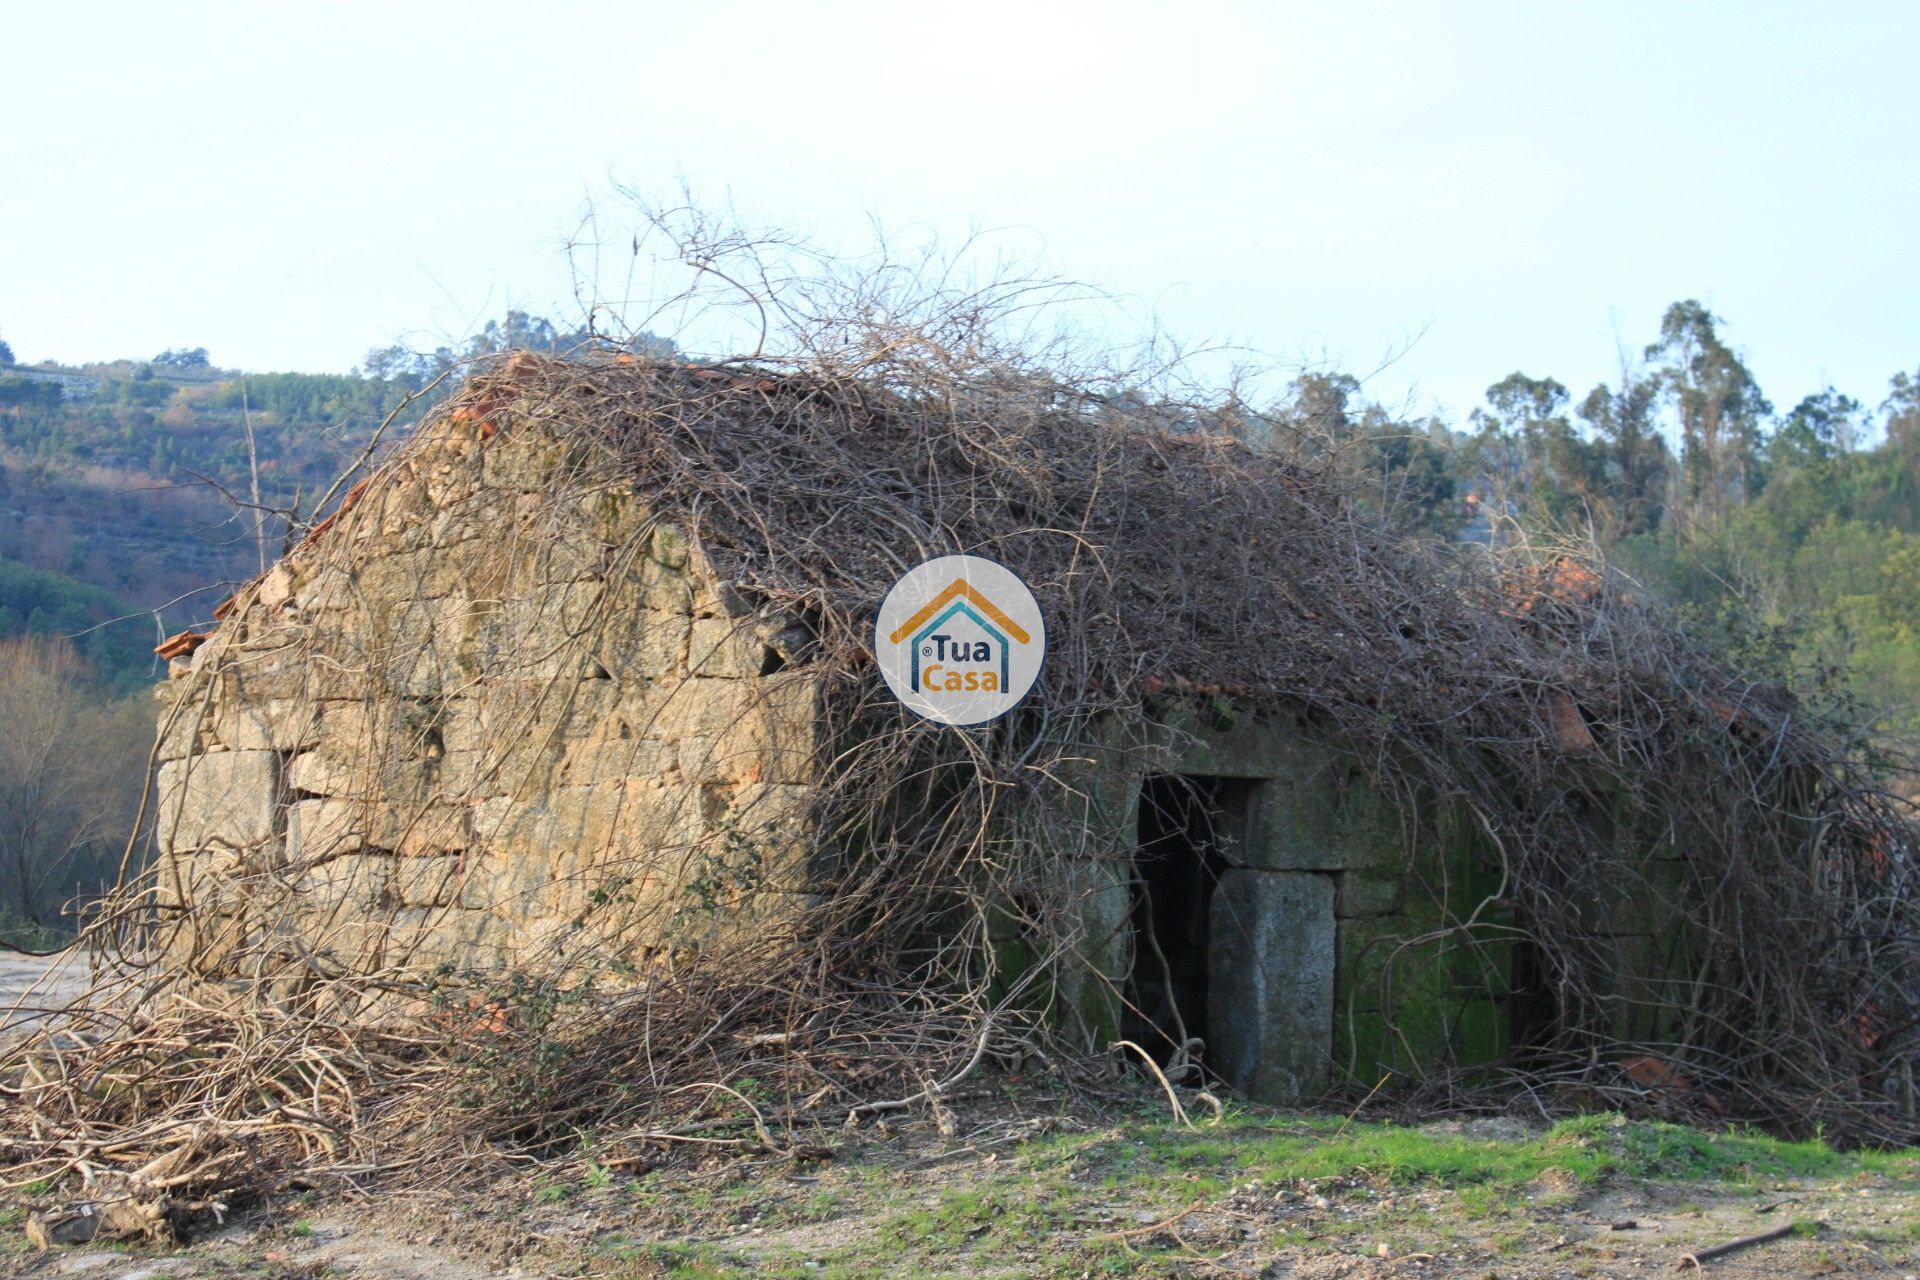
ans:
x=1186 y=823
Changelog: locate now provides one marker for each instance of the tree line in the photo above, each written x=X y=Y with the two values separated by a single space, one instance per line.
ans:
x=1794 y=530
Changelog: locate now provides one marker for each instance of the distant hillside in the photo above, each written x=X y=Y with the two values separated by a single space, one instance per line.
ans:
x=39 y=602
x=119 y=485
x=126 y=486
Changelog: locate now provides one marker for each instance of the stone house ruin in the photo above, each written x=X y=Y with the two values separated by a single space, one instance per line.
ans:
x=514 y=705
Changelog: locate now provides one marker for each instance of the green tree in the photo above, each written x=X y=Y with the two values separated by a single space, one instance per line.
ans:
x=1718 y=403
x=184 y=358
x=1409 y=465
x=1902 y=410
x=1526 y=446
x=1414 y=468
x=1637 y=458
x=1815 y=430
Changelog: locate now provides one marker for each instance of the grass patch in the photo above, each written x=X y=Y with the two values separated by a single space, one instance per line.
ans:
x=1135 y=1197
x=1035 y=1212
x=1586 y=1148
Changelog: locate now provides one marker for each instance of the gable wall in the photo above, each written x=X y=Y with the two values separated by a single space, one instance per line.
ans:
x=475 y=724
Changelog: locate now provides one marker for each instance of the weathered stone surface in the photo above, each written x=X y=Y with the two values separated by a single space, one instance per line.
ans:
x=327 y=827
x=322 y=587
x=326 y=774
x=1374 y=967
x=481 y=718
x=722 y=647
x=358 y=882
x=652 y=643
x=372 y=751
x=616 y=759
x=610 y=851
x=181 y=724
x=703 y=707
x=202 y=877
x=572 y=629
x=426 y=937
x=403 y=508
x=450 y=470
x=512 y=738
x=1220 y=739
x=318 y=830
x=276 y=664
x=742 y=735
x=426 y=574
x=276 y=588
x=720 y=598
x=614 y=517
x=1315 y=807
x=539 y=561
x=1364 y=893
x=671 y=546
x=1097 y=896
x=774 y=737
x=433 y=882
x=605 y=823
x=1270 y=983
x=656 y=586
x=430 y=648
x=523 y=460
x=472 y=775
x=659 y=819
x=264 y=724
x=224 y=799
x=767 y=822
x=1319 y=815
x=789 y=645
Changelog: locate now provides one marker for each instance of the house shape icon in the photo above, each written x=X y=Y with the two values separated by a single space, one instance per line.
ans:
x=959 y=598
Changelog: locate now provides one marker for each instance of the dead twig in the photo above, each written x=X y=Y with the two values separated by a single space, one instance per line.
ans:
x=1699 y=1256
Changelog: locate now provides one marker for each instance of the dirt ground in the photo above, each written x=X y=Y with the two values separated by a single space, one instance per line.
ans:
x=1033 y=1186
x=32 y=986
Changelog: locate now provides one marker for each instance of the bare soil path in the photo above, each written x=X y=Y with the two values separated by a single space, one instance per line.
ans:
x=33 y=986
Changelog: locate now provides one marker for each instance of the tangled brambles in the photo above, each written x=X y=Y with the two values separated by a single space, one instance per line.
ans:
x=290 y=1007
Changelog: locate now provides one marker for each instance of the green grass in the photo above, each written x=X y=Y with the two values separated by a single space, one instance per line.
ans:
x=1587 y=1148
x=1086 y=1203
x=1156 y=1168
x=547 y=1192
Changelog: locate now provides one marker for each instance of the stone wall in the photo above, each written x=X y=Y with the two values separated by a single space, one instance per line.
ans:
x=1325 y=965
x=493 y=713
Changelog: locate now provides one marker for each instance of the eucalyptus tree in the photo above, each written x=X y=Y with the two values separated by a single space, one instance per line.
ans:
x=1718 y=404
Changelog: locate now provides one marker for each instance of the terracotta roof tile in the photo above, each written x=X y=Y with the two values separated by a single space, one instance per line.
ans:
x=182 y=645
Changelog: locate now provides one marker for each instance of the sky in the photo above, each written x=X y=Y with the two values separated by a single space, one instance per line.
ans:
x=1428 y=196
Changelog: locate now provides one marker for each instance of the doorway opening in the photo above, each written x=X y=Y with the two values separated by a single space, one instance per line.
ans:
x=1186 y=825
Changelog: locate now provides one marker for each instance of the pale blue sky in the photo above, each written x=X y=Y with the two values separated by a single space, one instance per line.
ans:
x=289 y=186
